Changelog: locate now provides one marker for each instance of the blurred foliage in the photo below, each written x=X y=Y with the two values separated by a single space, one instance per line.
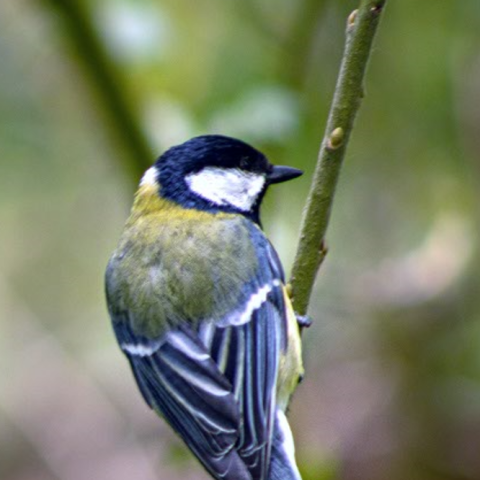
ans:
x=393 y=359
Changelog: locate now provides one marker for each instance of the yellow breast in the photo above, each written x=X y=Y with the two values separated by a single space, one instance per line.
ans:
x=291 y=365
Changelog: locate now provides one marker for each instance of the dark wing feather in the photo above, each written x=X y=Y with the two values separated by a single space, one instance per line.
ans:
x=179 y=379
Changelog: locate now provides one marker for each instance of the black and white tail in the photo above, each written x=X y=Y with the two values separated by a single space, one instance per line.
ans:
x=282 y=463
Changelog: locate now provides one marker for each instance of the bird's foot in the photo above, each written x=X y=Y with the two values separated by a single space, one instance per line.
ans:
x=304 y=321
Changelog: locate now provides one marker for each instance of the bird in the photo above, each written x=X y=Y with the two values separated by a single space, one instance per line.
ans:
x=199 y=305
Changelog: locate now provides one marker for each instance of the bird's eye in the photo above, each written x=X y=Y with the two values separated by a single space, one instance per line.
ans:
x=244 y=163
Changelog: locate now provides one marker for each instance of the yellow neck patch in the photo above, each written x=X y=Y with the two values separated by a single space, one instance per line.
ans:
x=149 y=202
x=147 y=199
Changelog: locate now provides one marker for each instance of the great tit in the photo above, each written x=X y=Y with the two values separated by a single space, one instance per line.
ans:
x=197 y=298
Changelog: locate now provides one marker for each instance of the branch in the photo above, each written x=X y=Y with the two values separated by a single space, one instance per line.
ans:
x=106 y=80
x=361 y=27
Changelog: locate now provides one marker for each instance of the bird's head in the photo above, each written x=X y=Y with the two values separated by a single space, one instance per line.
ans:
x=216 y=173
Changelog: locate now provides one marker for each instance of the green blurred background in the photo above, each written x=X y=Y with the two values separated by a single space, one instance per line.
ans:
x=393 y=359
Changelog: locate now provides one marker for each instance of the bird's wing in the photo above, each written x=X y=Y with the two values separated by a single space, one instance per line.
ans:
x=216 y=384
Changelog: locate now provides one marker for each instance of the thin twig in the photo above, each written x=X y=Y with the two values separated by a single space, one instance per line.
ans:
x=361 y=28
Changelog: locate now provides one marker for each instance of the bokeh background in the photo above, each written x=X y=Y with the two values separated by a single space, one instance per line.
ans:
x=393 y=359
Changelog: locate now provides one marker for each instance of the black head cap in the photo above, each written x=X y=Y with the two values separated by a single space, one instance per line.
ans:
x=215 y=151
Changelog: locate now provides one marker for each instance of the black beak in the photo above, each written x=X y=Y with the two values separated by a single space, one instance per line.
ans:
x=280 y=173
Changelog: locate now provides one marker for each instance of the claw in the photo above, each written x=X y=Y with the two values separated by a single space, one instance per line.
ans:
x=304 y=321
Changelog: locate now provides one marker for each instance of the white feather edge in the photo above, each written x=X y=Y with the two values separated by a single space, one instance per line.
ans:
x=149 y=177
x=255 y=301
x=141 y=349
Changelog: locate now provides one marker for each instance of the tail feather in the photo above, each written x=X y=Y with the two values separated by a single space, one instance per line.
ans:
x=282 y=464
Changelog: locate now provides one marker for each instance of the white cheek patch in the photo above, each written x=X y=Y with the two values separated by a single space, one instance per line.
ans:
x=227 y=186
